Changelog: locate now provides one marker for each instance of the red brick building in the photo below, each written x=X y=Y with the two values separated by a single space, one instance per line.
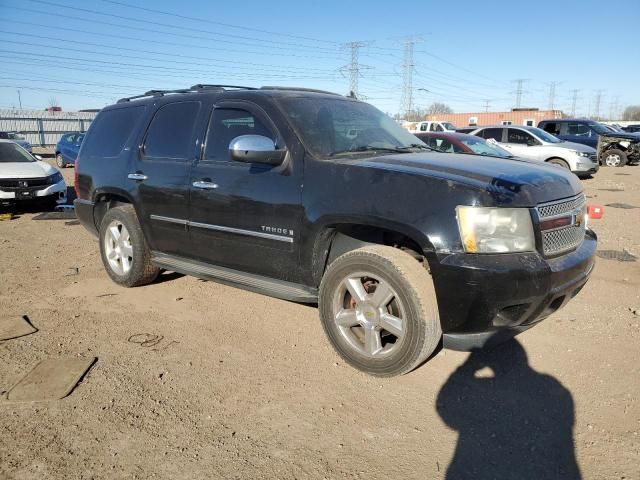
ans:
x=517 y=116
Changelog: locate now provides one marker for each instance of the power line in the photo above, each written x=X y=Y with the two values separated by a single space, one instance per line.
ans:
x=228 y=25
x=486 y=105
x=168 y=25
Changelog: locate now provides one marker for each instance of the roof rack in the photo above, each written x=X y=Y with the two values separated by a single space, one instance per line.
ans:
x=199 y=87
x=194 y=88
x=298 y=89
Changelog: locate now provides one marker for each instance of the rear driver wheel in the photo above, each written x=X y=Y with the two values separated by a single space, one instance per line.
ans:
x=125 y=254
x=379 y=310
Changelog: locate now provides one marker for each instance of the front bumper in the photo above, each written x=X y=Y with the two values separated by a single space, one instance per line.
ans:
x=486 y=299
x=584 y=166
x=58 y=190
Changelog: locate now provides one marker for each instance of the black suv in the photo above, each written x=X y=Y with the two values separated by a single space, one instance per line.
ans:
x=319 y=198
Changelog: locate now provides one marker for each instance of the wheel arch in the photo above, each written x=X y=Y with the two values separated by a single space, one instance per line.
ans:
x=339 y=237
x=105 y=200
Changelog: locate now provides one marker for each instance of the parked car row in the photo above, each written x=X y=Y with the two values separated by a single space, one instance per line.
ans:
x=17 y=138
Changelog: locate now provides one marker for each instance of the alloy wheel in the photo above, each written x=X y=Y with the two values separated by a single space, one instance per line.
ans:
x=369 y=314
x=118 y=248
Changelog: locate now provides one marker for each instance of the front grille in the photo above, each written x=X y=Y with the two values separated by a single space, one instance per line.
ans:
x=12 y=184
x=593 y=157
x=563 y=239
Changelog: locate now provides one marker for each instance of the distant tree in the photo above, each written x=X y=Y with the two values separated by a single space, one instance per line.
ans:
x=632 y=112
x=437 y=108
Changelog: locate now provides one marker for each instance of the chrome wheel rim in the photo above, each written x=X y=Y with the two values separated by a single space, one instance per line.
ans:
x=59 y=161
x=369 y=315
x=613 y=160
x=118 y=248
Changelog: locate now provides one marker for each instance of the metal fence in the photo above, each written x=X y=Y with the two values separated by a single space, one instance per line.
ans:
x=43 y=128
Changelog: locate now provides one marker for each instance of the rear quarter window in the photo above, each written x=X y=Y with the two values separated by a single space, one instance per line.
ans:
x=110 y=130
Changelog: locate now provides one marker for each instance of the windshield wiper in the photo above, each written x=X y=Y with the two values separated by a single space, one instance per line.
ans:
x=371 y=148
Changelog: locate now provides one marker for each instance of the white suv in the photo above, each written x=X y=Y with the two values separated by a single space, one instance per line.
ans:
x=536 y=144
x=417 y=127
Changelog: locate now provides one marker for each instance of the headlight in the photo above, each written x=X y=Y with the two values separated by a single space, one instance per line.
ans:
x=495 y=230
x=580 y=154
x=55 y=178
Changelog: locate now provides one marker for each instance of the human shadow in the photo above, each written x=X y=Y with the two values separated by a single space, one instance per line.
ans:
x=515 y=424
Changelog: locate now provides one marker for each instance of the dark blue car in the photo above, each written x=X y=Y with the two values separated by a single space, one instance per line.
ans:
x=67 y=148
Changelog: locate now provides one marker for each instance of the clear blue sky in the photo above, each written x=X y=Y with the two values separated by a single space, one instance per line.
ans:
x=468 y=52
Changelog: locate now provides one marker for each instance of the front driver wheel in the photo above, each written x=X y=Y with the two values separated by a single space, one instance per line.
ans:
x=379 y=310
x=614 y=158
x=125 y=254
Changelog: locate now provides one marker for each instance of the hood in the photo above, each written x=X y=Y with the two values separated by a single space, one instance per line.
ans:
x=574 y=146
x=518 y=182
x=26 y=170
x=635 y=137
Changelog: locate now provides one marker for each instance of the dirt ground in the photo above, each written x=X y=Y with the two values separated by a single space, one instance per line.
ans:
x=197 y=380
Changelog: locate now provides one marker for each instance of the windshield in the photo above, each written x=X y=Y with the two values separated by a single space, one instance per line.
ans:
x=596 y=127
x=449 y=126
x=11 y=153
x=481 y=147
x=328 y=126
x=547 y=137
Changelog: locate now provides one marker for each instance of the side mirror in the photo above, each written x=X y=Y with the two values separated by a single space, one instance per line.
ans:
x=38 y=157
x=255 y=149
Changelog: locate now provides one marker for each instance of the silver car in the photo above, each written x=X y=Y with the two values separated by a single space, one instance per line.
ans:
x=19 y=139
x=535 y=144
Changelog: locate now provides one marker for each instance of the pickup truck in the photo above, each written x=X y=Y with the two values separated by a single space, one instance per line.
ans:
x=318 y=198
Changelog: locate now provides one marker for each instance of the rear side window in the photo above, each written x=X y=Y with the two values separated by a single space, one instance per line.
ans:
x=171 y=131
x=552 y=127
x=110 y=131
x=494 y=133
x=436 y=128
x=519 y=136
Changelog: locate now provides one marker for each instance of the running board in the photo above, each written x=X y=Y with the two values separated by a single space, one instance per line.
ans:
x=248 y=281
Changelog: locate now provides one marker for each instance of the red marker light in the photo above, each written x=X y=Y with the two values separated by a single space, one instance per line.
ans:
x=595 y=211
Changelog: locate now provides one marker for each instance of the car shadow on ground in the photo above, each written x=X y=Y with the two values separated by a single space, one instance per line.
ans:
x=512 y=421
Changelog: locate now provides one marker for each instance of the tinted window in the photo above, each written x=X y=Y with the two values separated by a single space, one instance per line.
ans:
x=110 y=130
x=494 y=133
x=70 y=138
x=227 y=124
x=171 y=131
x=436 y=128
x=4 y=135
x=552 y=127
x=520 y=136
x=423 y=127
x=578 y=129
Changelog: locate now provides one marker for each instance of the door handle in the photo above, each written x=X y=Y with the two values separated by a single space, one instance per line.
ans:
x=137 y=176
x=205 y=185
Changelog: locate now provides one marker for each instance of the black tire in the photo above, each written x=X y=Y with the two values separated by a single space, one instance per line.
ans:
x=559 y=162
x=141 y=270
x=60 y=161
x=414 y=297
x=614 y=158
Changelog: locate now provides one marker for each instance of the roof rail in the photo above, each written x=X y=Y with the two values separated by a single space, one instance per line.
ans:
x=194 y=88
x=206 y=86
x=298 y=89
x=154 y=93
